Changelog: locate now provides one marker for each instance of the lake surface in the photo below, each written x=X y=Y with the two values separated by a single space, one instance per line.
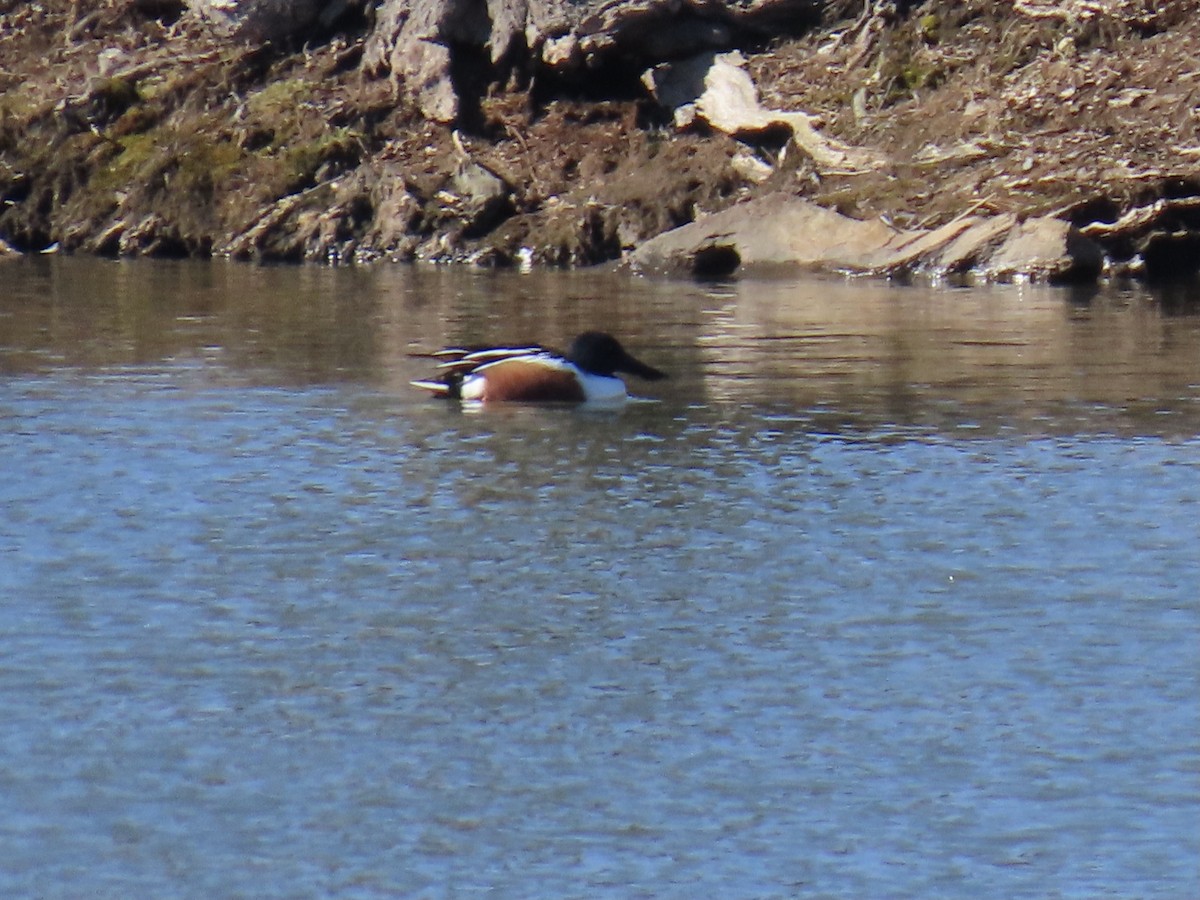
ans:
x=888 y=592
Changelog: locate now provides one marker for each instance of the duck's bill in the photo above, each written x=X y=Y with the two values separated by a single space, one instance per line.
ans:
x=640 y=369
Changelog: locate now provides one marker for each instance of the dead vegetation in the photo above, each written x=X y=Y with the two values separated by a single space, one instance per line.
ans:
x=126 y=130
x=1086 y=110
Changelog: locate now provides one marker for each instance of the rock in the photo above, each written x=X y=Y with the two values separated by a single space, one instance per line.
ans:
x=974 y=243
x=157 y=8
x=716 y=88
x=751 y=167
x=364 y=216
x=393 y=212
x=412 y=40
x=564 y=36
x=921 y=250
x=729 y=101
x=1158 y=241
x=561 y=52
x=154 y=235
x=654 y=38
x=1045 y=249
x=780 y=231
x=681 y=83
x=269 y=237
x=428 y=80
x=484 y=198
x=776 y=231
x=267 y=20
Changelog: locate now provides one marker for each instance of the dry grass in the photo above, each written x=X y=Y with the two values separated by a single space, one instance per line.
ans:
x=1085 y=108
x=1026 y=107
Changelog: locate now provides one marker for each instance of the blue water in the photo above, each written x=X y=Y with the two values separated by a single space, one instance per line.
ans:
x=279 y=636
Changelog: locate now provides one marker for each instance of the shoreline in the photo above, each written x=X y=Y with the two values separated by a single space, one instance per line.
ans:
x=970 y=142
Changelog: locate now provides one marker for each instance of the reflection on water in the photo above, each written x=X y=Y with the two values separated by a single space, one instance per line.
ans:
x=887 y=592
x=859 y=351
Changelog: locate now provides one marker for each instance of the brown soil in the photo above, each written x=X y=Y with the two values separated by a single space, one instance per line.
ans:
x=979 y=107
x=124 y=130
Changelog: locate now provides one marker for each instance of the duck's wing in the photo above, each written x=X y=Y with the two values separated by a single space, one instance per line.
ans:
x=463 y=360
x=456 y=363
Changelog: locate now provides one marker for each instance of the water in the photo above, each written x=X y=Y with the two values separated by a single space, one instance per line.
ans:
x=886 y=592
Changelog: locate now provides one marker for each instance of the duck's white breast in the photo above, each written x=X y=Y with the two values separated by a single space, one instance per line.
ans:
x=602 y=388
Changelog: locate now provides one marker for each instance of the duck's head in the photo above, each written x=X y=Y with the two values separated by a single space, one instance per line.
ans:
x=602 y=354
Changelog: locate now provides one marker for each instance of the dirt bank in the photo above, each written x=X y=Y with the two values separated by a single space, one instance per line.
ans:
x=132 y=130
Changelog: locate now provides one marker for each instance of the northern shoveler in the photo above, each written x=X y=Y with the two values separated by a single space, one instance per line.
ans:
x=585 y=373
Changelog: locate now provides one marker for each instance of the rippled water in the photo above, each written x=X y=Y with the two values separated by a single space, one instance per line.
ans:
x=887 y=592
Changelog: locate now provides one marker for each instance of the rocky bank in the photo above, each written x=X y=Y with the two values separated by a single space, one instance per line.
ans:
x=972 y=140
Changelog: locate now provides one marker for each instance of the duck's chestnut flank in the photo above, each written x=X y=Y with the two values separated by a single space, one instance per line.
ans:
x=587 y=372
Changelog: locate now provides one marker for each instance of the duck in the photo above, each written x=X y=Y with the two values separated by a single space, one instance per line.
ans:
x=586 y=373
